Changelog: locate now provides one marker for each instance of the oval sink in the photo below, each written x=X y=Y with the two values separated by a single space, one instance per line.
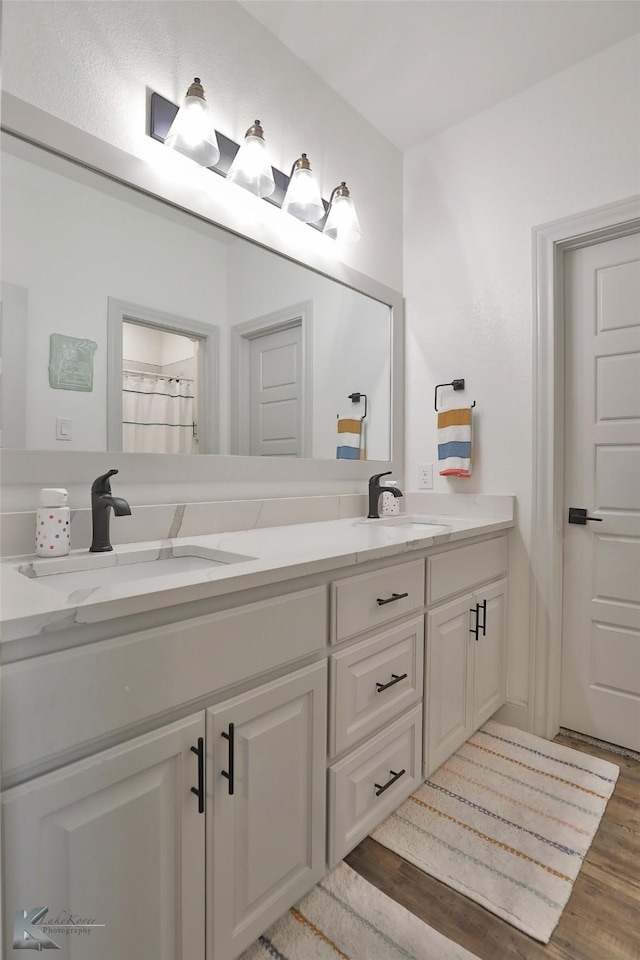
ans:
x=93 y=570
x=414 y=523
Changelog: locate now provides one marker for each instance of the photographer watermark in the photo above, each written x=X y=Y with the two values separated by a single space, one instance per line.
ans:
x=31 y=928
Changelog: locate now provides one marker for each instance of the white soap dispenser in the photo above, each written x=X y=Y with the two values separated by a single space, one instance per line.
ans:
x=390 y=504
x=53 y=523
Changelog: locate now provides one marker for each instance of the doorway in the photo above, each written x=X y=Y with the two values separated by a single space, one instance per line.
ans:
x=159 y=390
x=272 y=384
x=162 y=382
x=553 y=244
x=600 y=687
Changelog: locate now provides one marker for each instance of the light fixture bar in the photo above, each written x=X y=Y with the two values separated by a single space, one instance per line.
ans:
x=161 y=115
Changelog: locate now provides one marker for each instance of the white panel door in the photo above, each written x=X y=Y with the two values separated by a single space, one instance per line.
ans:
x=116 y=839
x=449 y=686
x=266 y=819
x=276 y=392
x=601 y=589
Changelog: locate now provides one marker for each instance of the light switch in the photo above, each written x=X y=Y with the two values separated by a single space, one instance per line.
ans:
x=63 y=429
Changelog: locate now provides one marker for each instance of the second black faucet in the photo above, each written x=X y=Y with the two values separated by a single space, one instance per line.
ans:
x=376 y=489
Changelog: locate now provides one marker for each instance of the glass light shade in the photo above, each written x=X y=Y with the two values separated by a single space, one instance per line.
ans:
x=251 y=168
x=192 y=132
x=302 y=199
x=342 y=222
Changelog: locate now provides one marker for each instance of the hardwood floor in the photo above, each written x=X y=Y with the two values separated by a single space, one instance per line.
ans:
x=601 y=920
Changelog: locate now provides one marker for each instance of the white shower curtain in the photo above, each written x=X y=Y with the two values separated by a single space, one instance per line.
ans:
x=158 y=415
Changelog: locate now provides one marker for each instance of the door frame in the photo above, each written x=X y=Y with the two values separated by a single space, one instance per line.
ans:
x=550 y=243
x=298 y=314
x=208 y=390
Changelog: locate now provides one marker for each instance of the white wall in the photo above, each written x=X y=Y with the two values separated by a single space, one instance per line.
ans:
x=351 y=342
x=142 y=345
x=155 y=348
x=92 y=63
x=472 y=196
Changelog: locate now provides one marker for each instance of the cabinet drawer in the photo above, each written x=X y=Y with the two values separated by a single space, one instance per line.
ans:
x=366 y=689
x=356 y=804
x=96 y=690
x=460 y=569
x=356 y=605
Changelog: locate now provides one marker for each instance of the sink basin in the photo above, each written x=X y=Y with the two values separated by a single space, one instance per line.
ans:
x=89 y=571
x=413 y=523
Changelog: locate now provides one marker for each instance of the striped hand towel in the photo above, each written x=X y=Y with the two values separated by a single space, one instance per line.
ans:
x=454 y=442
x=349 y=437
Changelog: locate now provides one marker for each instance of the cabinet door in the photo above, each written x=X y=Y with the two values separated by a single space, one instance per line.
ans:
x=448 y=720
x=489 y=672
x=266 y=839
x=115 y=839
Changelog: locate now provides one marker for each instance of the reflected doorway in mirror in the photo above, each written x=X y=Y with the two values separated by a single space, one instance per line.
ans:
x=159 y=390
x=161 y=373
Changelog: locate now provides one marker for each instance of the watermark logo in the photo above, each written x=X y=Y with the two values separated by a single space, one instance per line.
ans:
x=29 y=928
x=26 y=935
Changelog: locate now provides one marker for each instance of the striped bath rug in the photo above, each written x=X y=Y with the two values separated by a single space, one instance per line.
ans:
x=346 y=917
x=507 y=821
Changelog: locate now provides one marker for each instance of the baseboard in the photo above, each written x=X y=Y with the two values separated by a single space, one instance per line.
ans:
x=514 y=715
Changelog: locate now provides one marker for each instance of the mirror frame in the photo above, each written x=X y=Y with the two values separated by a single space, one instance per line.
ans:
x=19 y=467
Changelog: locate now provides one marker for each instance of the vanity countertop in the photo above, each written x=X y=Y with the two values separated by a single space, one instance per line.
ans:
x=30 y=608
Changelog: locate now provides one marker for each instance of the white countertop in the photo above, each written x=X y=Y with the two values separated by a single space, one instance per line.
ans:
x=30 y=608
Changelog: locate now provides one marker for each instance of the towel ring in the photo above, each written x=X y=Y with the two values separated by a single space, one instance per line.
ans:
x=356 y=398
x=456 y=384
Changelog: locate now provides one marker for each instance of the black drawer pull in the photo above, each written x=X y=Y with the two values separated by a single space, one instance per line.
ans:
x=396 y=679
x=394 y=596
x=475 y=629
x=385 y=786
x=229 y=773
x=199 y=792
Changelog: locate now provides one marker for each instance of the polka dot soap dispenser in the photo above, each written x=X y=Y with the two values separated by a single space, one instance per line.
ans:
x=53 y=523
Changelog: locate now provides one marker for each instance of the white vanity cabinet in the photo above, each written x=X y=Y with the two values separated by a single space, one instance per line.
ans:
x=266 y=796
x=115 y=839
x=120 y=837
x=184 y=784
x=136 y=835
x=465 y=645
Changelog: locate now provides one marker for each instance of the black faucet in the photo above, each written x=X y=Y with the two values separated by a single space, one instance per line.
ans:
x=375 y=489
x=101 y=500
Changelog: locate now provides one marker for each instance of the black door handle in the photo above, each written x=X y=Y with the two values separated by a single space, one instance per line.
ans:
x=579 y=515
x=385 y=786
x=396 y=679
x=475 y=629
x=199 y=792
x=229 y=774
x=394 y=596
x=483 y=626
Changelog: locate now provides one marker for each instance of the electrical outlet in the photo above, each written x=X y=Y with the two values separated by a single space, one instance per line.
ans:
x=425 y=476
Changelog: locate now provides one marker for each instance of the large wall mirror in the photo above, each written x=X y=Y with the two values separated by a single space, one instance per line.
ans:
x=189 y=309
x=131 y=325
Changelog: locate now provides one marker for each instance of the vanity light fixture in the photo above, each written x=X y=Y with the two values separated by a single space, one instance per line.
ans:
x=251 y=168
x=342 y=220
x=192 y=132
x=247 y=165
x=302 y=199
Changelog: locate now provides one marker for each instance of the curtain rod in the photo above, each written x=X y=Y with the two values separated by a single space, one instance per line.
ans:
x=157 y=376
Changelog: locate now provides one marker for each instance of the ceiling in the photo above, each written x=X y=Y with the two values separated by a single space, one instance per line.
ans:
x=413 y=68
